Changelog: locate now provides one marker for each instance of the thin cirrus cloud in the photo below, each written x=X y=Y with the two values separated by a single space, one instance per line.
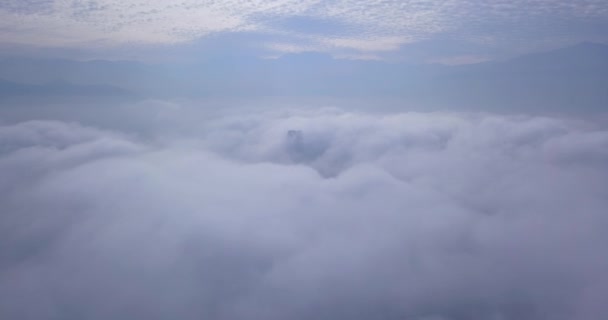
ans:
x=331 y=26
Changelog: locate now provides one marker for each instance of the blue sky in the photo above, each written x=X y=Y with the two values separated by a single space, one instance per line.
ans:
x=450 y=32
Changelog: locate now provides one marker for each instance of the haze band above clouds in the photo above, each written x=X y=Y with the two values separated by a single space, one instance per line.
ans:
x=299 y=214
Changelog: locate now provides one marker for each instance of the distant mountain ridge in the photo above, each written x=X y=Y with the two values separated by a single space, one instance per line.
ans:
x=570 y=77
x=59 y=89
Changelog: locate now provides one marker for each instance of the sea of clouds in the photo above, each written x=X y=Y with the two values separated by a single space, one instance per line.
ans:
x=304 y=214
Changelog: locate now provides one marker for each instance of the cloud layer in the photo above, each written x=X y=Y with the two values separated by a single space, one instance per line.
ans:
x=298 y=214
x=340 y=27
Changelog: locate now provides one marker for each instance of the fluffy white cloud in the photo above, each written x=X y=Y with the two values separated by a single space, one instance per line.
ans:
x=317 y=214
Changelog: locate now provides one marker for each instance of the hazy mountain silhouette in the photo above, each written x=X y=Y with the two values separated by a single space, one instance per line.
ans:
x=60 y=89
x=566 y=78
x=572 y=77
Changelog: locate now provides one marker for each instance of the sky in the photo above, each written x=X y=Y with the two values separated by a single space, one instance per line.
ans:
x=331 y=160
x=451 y=32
